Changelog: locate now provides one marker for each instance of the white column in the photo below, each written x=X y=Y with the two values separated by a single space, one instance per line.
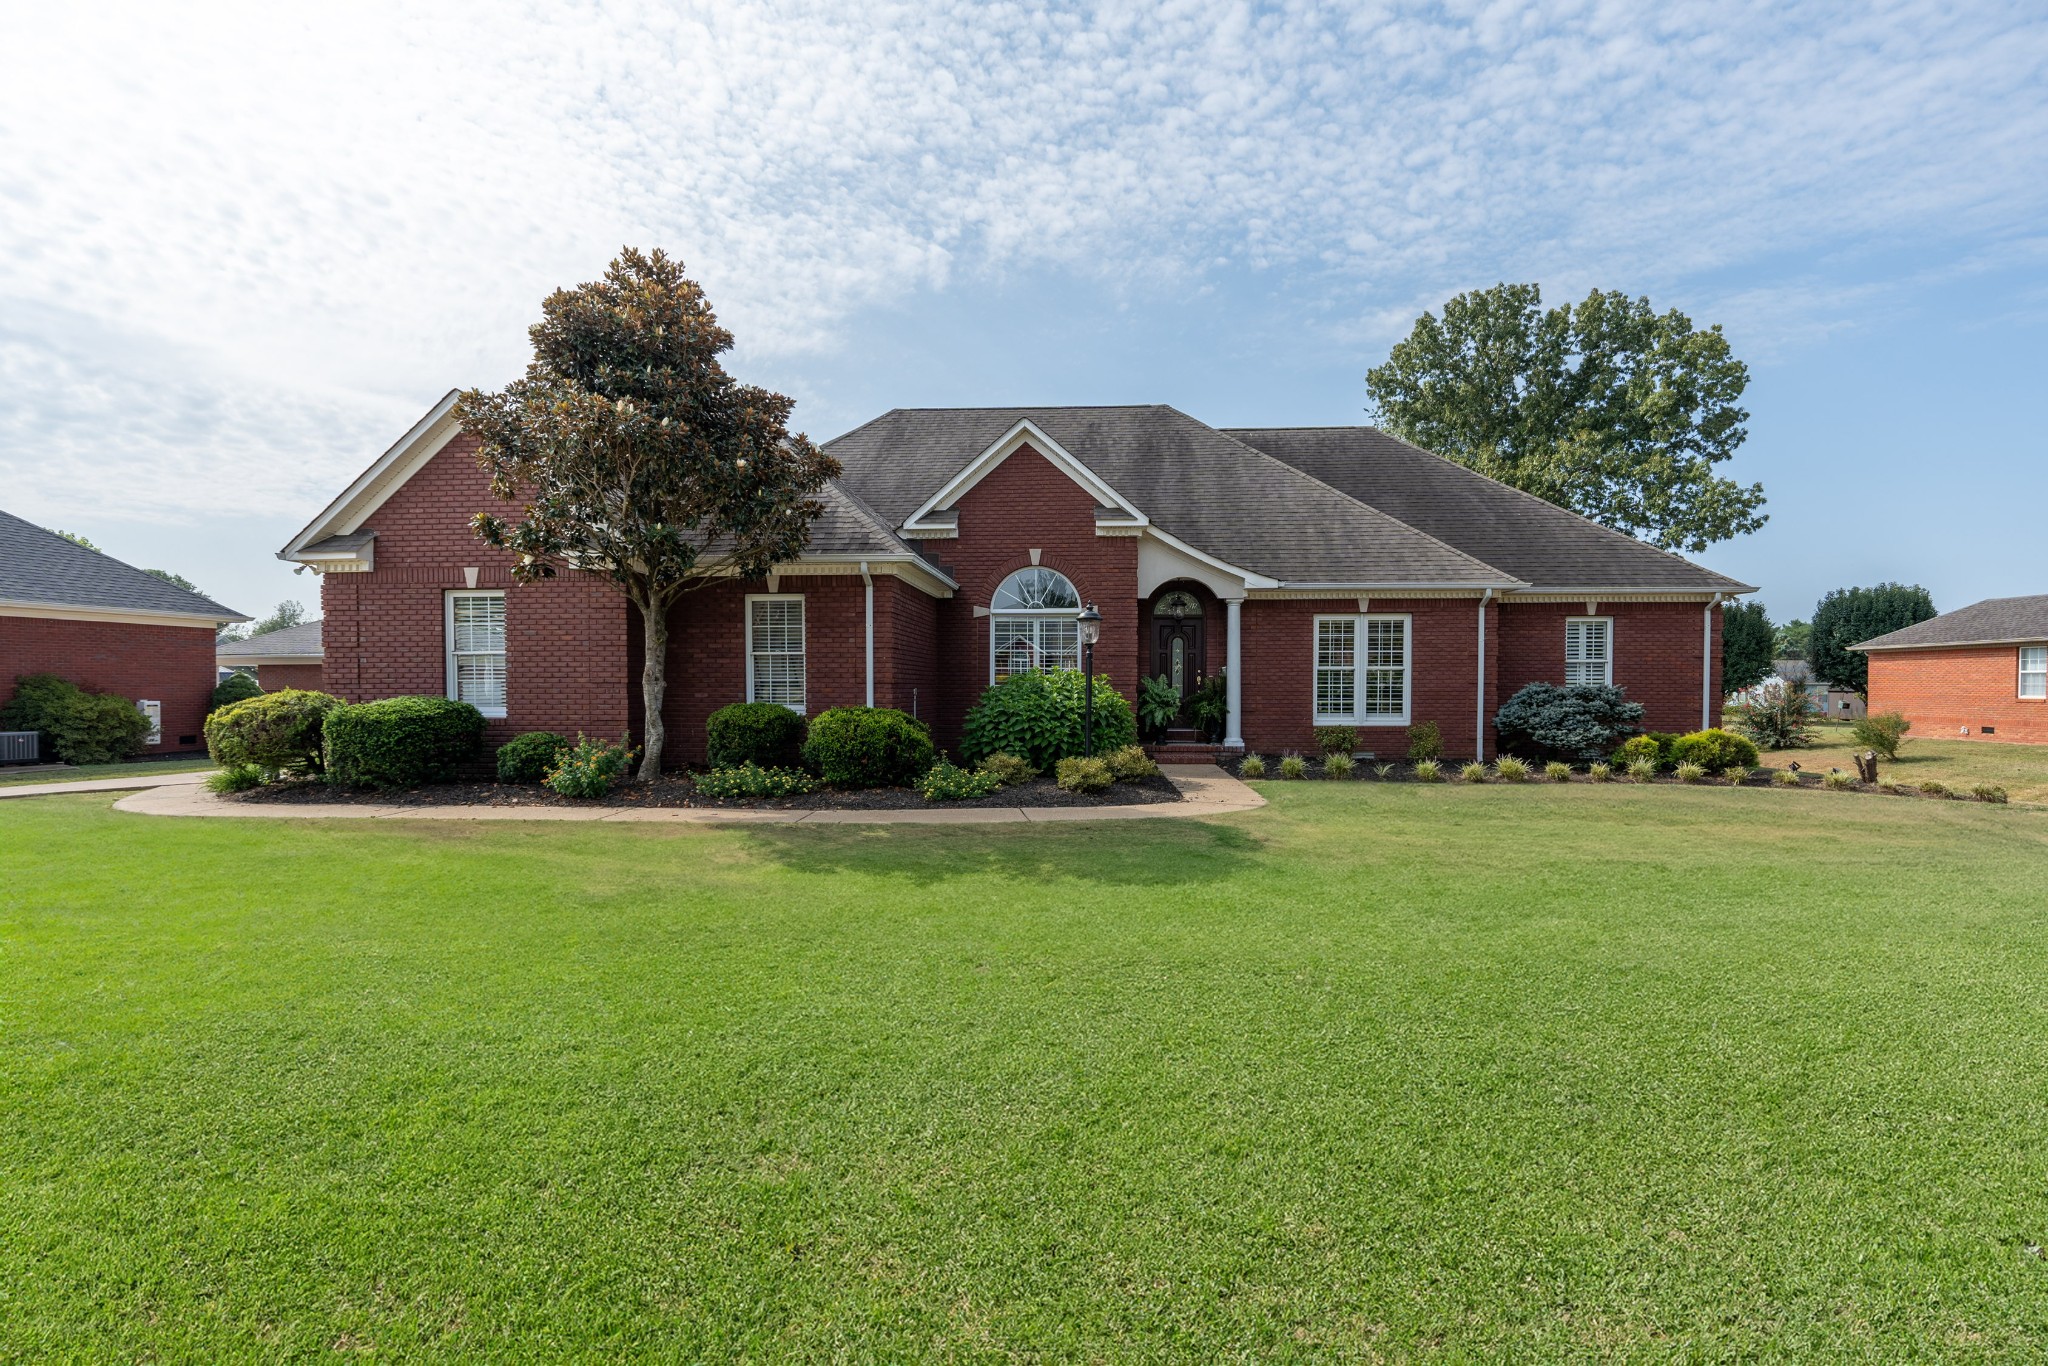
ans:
x=1233 y=655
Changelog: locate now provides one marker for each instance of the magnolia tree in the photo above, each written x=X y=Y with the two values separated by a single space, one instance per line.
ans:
x=639 y=459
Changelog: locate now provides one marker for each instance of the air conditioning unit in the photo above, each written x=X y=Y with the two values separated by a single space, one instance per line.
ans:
x=20 y=746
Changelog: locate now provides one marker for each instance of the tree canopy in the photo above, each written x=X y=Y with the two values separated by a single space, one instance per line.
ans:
x=1606 y=408
x=1793 y=639
x=638 y=458
x=175 y=580
x=1746 y=640
x=1850 y=616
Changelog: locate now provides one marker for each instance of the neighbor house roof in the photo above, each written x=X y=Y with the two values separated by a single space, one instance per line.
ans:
x=1191 y=481
x=44 y=573
x=1995 y=621
x=292 y=645
x=1536 y=541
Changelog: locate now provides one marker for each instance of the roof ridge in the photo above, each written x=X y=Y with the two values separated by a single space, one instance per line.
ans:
x=1348 y=497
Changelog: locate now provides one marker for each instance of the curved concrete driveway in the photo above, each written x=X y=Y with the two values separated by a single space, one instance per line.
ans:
x=1205 y=791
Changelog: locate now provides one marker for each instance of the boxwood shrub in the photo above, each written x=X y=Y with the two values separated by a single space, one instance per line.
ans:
x=766 y=734
x=400 y=741
x=236 y=687
x=1580 y=722
x=1037 y=717
x=279 y=732
x=527 y=758
x=868 y=747
x=1714 y=750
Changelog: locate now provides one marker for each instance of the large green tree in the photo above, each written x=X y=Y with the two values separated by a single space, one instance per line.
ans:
x=1746 y=638
x=1850 y=616
x=1605 y=407
x=1794 y=638
x=639 y=459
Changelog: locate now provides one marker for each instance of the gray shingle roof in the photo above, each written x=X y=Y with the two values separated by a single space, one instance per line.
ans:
x=1995 y=621
x=301 y=640
x=39 y=566
x=1196 y=483
x=849 y=526
x=1535 y=541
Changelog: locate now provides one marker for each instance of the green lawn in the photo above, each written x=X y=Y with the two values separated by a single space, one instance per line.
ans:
x=1380 y=1072
x=2022 y=770
x=183 y=763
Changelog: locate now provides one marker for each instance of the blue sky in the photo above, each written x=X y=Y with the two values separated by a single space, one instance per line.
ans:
x=243 y=247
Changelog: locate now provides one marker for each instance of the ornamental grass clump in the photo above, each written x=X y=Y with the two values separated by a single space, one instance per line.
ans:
x=754 y=782
x=1558 y=771
x=1509 y=769
x=1428 y=771
x=945 y=782
x=1934 y=787
x=1130 y=764
x=1738 y=775
x=1473 y=773
x=1642 y=770
x=1337 y=764
x=1293 y=766
x=1083 y=774
x=1784 y=777
x=1383 y=771
x=1689 y=772
x=1990 y=792
x=1251 y=766
x=1835 y=780
x=1600 y=772
x=235 y=778
x=590 y=767
x=1008 y=769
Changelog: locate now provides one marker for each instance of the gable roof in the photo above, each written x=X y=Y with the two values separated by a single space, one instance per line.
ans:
x=40 y=569
x=293 y=642
x=1994 y=621
x=1191 y=481
x=1538 y=542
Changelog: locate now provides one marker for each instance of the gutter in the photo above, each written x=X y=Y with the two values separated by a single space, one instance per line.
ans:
x=1479 y=693
x=868 y=582
x=1707 y=662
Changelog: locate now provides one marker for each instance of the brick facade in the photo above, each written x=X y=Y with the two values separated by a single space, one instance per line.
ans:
x=1955 y=693
x=163 y=663
x=271 y=677
x=1656 y=654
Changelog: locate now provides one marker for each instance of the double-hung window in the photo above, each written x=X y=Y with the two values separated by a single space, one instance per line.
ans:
x=775 y=649
x=2034 y=671
x=1362 y=670
x=476 y=650
x=1588 y=650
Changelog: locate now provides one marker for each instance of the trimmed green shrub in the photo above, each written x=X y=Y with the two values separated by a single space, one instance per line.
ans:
x=1558 y=771
x=1037 y=716
x=1509 y=769
x=1714 y=750
x=945 y=782
x=1008 y=769
x=1336 y=739
x=279 y=732
x=1337 y=764
x=1425 y=741
x=1251 y=766
x=590 y=767
x=1581 y=722
x=868 y=747
x=78 y=727
x=236 y=687
x=1083 y=774
x=765 y=734
x=1293 y=766
x=1636 y=747
x=1882 y=732
x=527 y=758
x=752 y=782
x=1428 y=771
x=235 y=778
x=1130 y=763
x=401 y=741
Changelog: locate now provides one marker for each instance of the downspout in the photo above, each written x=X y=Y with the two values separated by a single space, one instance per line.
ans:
x=868 y=580
x=1707 y=663
x=1479 y=695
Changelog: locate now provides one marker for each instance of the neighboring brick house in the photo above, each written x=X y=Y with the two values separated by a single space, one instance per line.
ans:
x=108 y=627
x=1980 y=673
x=288 y=658
x=1335 y=575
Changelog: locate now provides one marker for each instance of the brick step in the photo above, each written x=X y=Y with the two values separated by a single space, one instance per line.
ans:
x=1192 y=752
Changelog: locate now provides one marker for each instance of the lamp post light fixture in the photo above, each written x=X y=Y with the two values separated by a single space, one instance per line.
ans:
x=1090 y=630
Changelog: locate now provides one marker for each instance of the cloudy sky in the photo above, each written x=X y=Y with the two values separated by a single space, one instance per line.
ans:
x=243 y=247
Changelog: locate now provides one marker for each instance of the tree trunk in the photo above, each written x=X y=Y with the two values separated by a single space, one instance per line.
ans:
x=653 y=684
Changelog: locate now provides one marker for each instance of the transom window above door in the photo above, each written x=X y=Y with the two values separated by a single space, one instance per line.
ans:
x=1031 y=624
x=1178 y=603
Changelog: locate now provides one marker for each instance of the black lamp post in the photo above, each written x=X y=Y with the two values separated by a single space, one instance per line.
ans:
x=1090 y=631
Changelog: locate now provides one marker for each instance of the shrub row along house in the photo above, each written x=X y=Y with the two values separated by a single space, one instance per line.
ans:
x=1977 y=673
x=107 y=627
x=1333 y=576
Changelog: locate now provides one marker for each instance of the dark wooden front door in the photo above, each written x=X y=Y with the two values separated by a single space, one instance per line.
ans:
x=1177 y=652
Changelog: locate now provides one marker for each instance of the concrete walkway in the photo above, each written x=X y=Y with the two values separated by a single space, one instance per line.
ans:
x=191 y=780
x=1205 y=789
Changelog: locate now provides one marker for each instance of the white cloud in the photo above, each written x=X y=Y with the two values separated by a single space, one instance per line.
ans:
x=251 y=241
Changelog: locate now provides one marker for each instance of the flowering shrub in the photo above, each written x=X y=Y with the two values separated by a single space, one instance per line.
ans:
x=590 y=767
x=752 y=782
x=1008 y=769
x=1083 y=774
x=945 y=782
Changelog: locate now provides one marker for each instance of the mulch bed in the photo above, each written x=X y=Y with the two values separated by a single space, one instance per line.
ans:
x=676 y=789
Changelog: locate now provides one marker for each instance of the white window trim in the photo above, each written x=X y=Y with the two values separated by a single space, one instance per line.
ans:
x=2024 y=695
x=1360 y=655
x=1569 y=622
x=747 y=614
x=995 y=623
x=448 y=641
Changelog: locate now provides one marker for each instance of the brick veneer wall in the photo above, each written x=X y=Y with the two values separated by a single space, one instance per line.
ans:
x=384 y=631
x=1656 y=654
x=1943 y=691
x=168 y=664
x=271 y=677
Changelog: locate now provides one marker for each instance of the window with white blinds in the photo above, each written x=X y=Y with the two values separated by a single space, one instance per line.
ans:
x=775 y=649
x=476 y=650
x=1588 y=650
x=2034 y=671
x=1361 y=670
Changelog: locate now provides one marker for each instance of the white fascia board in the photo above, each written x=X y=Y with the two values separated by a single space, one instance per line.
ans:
x=1615 y=591
x=385 y=477
x=1385 y=586
x=1247 y=577
x=2008 y=641
x=902 y=567
x=1025 y=432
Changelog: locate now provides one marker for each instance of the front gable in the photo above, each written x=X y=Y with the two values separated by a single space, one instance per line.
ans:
x=938 y=516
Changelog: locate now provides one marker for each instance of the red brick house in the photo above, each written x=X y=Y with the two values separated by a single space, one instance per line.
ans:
x=1336 y=576
x=289 y=658
x=108 y=627
x=1980 y=673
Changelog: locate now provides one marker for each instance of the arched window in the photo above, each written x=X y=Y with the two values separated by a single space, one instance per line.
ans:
x=1031 y=624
